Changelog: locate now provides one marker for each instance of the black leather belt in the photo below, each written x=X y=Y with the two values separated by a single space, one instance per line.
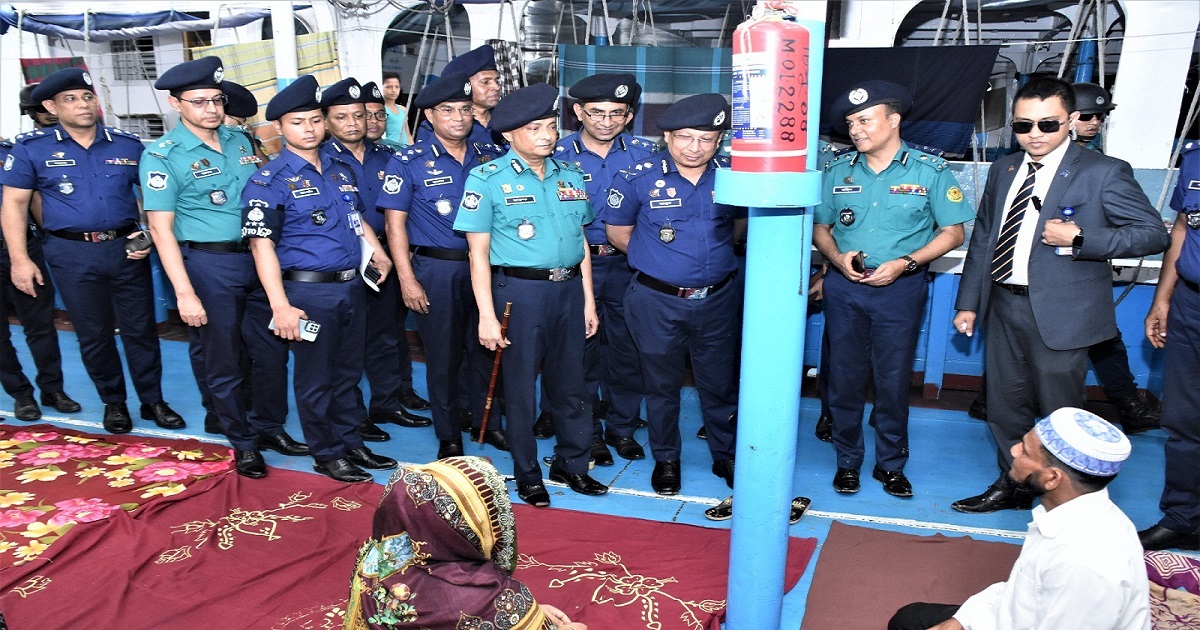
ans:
x=94 y=237
x=1191 y=285
x=227 y=247
x=439 y=253
x=321 y=276
x=605 y=250
x=1015 y=289
x=687 y=293
x=557 y=274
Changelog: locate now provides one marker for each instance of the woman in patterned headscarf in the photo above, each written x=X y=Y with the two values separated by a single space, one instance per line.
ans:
x=442 y=555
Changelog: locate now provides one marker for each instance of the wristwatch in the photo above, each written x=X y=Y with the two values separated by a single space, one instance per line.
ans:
x=1077 y=242
x=910 y=264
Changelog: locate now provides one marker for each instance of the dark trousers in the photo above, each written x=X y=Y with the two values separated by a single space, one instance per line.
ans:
x=1180 y=501
x=1110 y=361
x=872 y=331
x=37 y=319
x=235 y=332
x=388 y=365
x=546 y=331
x=455 y=365
x=1026 y=380
x=666 y=329
x=327 y=371
x=103 y=290
x=921 y=616
x=610 y=357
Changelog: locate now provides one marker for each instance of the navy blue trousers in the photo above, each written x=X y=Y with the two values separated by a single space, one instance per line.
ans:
x=666 y=328
x=872 y=330
x=387 y=363
x=226 y=284
x=327 y=371
x=104 y=290
x=1180 y=501
x=450 y=332
x=547 y=332
x=610 y=357
x=37 y=319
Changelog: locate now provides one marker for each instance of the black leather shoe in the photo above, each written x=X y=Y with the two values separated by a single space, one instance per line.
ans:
x=824 y=430
x=1000 y=496
x=410 y=400
x=250 y=464
x=401 y=418
x=846 y=480
x=116 y=418
x=543 y=427
x=627 y=447
x=162 y=415
x=600 y=453
x=702 y=433
x=579 y=482
x=496 y=438
x=465 y=420
x=26 y=408
x=666 y=479
x=212 y=424
x=723 y=468
x=449 y=448
x=894 y=482
x=1158 y=538
x=371 y=433
x=283 y=444
x=364 y=458
x=978 y=408
x=1136 y=414
x=534 y=494
x=61 y=402
x=342 y=470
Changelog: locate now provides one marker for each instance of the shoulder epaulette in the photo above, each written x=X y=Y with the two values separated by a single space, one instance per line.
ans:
x=643 y=143
x=837 y=153
x=264 y=177
x=122 y=132
x=840 y=157
x=488 y=169
x=29 y=135
x=390 y=150
x=569 y=166
x=934 y=161
x=1190 y=146
x=156 y=154
x=934 y=151
x=6 y=144
x=722 y=161
x=559 y=149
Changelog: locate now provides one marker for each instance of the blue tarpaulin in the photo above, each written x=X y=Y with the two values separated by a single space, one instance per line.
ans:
x=102 y=27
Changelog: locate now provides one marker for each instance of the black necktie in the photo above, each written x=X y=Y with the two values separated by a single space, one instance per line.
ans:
x=1002 y=263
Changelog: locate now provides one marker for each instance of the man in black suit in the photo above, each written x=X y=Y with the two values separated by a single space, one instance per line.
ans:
x=1038 y=268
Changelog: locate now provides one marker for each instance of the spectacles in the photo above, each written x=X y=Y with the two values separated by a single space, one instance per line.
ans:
x=377 y=115
x=1087 y=117
x=686 y=140
x=201 y=103
x=1026 y=126
x=598 y=116
x=446 y=110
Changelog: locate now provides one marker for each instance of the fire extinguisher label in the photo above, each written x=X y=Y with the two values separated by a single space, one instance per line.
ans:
x=751 y=117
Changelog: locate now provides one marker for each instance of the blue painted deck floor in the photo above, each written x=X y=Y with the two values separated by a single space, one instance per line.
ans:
x=952 y=457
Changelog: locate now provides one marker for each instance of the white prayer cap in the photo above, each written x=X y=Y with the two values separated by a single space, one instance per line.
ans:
x=1084 y=441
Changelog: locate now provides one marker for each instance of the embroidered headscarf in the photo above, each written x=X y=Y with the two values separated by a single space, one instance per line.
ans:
x=442 y=553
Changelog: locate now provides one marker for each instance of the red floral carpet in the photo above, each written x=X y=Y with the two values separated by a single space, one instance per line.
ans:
x=278 y=553
x=52 y=479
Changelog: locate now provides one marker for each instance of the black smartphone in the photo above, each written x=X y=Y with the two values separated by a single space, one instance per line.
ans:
x=139 y=243
x=857 y=263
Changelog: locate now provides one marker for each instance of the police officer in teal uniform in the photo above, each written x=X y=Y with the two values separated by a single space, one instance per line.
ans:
x=682 y=299
x=888 y=210
x=1094 y=104
x=602 y=148
x=86 y=173
x=422 y=188
x=302 y=216
x=192 y=180
x=1176 y=309
x=524 y=215
x=388 y=364
x=36 y=313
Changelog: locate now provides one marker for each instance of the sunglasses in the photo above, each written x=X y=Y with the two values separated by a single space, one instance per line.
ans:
x=1087 y=117
x=1046 y=126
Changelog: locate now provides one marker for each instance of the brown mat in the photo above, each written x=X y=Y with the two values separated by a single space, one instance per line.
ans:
x=864 y=575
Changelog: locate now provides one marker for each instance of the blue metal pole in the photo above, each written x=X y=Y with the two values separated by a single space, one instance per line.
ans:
x=778 y=257
x=1086 y=66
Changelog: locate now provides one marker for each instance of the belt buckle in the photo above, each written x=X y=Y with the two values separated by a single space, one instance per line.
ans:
x=100 y=237
x=607 y=250
x=346 y=275
x=558 y=274
x=696 y=294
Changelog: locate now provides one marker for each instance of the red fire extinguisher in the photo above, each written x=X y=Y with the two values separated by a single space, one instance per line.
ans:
x=770 y=91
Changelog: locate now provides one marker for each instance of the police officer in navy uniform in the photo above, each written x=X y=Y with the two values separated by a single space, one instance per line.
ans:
x=1176 y=310
x=372 y=98
x=35 y=312
x=302 y=215
x=192 y=180
x=524 y=215
x=480 y=65
x=680 y=243
x=422 y=188
x=602 y=148
x=388 y=364
x=240 y=106
x=888 y=210
x=86 y=175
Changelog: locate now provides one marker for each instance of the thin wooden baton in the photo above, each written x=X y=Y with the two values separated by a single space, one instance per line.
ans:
x=487 y=406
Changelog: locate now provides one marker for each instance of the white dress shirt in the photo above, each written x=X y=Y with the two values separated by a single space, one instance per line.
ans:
x=1028 y=237
x=1081 y=568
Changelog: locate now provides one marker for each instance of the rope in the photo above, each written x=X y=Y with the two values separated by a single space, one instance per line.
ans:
x=412 y=86
x=1101 y=18
x=937 y=38
x=1084 y=10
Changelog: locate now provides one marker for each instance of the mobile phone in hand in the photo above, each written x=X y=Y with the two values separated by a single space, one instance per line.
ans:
x=139 y=243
